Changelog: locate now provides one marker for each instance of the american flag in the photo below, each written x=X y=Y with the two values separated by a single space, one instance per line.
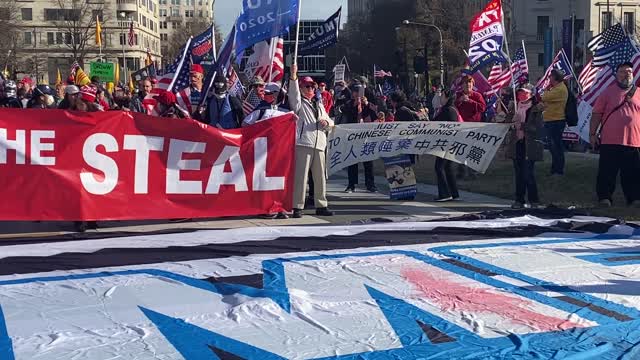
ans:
x=270 y=58
x=606 y=44
x=176 y=79
x=519 y=66
x=132 y=35
x=499 y=78
x=560 y=63
x=74 y=67
x=381 y=73
x=250 y=103
x=588 y=76
x=234 y=84
x=606 y=75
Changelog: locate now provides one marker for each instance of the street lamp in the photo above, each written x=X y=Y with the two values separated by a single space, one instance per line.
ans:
x=407 y=22
x=123 y=15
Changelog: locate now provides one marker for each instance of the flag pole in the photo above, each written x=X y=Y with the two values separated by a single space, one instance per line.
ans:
x=374 y=79
x=506 y=46
x=295 y=53
x=272 y=53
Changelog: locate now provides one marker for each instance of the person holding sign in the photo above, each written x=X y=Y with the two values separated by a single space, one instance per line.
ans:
x=311 y=142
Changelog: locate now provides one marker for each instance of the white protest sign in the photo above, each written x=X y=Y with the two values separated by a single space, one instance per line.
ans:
x=584 y=120
x=471 y=144
x=339 y=71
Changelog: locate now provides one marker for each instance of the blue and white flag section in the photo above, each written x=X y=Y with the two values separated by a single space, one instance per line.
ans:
x=324 y=36
x=517 y=287
x=487 y=37
x=203 y=49
x=264 y=19
x=471 y=144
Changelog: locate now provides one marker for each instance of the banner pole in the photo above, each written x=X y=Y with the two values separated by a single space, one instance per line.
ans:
x=506 y=46
x=295 y=53
x=272 y=53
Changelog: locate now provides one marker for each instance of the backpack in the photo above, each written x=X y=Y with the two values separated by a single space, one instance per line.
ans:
x=571 y=110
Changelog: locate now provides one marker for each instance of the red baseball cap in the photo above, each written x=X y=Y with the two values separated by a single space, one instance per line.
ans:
x=26 y=80
x=322 y=84
x=307 y=80
x=197 y=68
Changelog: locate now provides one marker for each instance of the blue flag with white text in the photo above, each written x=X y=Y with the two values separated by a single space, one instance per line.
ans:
x=264 y=19
x=202 y=49
x=324 y=36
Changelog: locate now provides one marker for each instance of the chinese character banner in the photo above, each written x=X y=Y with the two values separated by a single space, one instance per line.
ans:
x=471 y=144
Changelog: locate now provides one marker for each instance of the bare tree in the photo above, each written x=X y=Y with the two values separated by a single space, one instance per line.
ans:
x=9 y=16
x=78 y=20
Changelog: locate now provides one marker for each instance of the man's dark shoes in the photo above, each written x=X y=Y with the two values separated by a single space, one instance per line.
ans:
x=297 y=213
x=324 y=212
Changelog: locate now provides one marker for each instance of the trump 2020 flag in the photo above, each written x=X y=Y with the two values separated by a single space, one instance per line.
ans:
x=324 y=36
x=487 y=37
x=264 y=19
x=560 y=63
x=203 y=48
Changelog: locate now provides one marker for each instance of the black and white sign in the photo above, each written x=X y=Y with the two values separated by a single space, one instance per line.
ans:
x=471 y=144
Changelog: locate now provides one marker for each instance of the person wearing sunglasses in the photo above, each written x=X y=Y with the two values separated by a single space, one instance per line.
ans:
x=269 y=107
x=311 y=143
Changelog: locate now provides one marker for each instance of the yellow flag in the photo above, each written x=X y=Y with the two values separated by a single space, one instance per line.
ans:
x=98 y=32
x=59 y=78
x=116 y=75
x=5 y=72
x=132 y=87
x=148 y=60
x=82 y=78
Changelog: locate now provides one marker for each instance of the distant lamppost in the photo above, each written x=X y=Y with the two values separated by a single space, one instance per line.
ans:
x=407 y=22
x=123 y=15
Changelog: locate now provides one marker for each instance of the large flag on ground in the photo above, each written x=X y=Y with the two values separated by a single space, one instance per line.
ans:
x=487 y=37
x=520 y=66
x=324 y=36
x=266 y=61
x=560 y=63
x=503 y=284
x=203 y=48
x=262 y=20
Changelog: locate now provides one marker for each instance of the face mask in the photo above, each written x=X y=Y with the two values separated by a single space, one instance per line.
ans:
x=220 y=88
x=521 y=96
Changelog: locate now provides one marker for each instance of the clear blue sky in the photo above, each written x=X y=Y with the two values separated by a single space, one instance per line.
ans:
x=226 y=11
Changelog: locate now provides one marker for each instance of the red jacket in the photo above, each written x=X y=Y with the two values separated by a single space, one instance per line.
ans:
x=327 y=100
x=471 y=111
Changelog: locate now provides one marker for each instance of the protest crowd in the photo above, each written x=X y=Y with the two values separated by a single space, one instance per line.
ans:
x=537 y=115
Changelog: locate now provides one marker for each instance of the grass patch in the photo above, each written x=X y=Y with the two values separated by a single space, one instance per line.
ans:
x=575 y=188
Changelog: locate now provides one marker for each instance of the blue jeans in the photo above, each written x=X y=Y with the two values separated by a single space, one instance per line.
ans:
x=555 y=129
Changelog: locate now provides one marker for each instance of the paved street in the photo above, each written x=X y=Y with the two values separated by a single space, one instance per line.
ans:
x=349 y=208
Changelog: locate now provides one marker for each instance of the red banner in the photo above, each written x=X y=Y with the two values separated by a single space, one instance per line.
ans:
x=59 y=165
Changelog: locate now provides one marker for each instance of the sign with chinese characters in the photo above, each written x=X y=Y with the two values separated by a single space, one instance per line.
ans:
x=471 y=144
